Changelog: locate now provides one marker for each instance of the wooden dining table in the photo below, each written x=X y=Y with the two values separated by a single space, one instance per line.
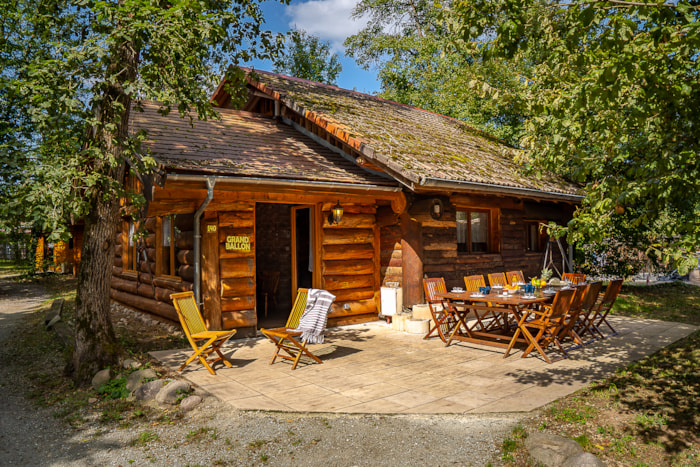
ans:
x=487 y=319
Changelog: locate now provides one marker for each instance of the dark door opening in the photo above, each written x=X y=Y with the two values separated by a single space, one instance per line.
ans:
x=303 y=247
x=273 y=262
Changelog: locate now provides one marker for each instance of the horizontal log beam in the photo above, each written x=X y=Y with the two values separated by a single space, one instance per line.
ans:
x=231 y=268
x=358 y=307
x=237 y=219
x=344 y=252
x=237 y=287
x=347 y=236
x=349 y=295
x=348 y=267
x=185 y=257
x=332 y=283
x=350 y=221
x=148 y=305
x=245 y=302
x=238 y=319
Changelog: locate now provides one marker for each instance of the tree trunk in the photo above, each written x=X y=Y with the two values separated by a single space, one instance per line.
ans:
x=95 y=343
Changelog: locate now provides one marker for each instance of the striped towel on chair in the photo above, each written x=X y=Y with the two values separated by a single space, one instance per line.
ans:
x=313 y=322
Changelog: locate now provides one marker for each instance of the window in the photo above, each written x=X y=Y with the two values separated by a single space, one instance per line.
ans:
x=129 y=255
x=534 y=238
x=474 y=231
x=165 y=256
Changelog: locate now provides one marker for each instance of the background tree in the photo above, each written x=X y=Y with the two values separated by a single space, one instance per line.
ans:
x=613 y=101
x=419 y=63
x=75 y=71
x=307 y=56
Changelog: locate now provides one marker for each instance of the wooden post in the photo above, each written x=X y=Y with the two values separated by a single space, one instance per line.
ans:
x=412 y=257
x=211 y=296
x=377 y=267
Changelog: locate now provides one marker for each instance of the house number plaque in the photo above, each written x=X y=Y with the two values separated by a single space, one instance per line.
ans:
x=237 y=243
x=211 y=228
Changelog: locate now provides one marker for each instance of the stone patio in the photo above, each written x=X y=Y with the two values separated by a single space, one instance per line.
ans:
x=371 y=368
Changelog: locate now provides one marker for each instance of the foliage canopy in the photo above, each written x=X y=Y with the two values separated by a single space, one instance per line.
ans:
x=613 y=99
x=307 y=56
x=421 y=63
x=72 y=72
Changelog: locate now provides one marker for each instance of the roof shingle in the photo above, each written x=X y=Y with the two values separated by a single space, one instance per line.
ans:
x=243 y=144
x=411 y=142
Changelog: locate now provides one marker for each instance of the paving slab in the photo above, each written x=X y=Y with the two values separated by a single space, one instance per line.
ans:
x=370 y=368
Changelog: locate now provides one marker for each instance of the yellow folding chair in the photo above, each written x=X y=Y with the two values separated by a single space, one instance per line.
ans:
x=515 y=276
x=472 y=283
x=497 y=279
x=286 y=339
x=196 y=332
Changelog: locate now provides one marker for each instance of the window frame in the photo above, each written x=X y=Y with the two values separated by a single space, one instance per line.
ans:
x=172 y=270
x=541 y=236
x=493 y=243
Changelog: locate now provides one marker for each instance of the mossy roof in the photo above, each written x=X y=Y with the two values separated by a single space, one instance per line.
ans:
x=243 y=144
x=410 y=143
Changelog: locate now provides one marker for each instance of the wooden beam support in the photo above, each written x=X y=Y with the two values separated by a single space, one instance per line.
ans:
x=210 y=271
x=412 y=261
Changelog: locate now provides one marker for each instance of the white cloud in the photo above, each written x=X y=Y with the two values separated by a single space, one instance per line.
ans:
x=330 y=20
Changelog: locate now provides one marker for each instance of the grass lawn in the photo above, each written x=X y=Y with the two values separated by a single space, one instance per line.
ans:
x=8 y=268
x=647 y=414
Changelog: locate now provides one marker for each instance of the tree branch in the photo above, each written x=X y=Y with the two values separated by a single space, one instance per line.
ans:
x=623 y=3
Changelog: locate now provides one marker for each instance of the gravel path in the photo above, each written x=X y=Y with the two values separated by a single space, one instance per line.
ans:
x=216 y=434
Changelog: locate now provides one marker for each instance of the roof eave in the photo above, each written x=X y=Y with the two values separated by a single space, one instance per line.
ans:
x=466 y=186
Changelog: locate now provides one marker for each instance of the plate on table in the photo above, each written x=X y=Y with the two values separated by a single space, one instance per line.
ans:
x=477 y=295
x=529 y=297
x=549 y=291
x=457 y=290
x=496 y=286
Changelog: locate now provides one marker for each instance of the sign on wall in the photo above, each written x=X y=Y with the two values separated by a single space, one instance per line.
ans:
x=237 y=243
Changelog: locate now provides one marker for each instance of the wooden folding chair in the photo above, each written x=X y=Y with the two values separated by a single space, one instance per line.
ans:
x=588 y=304
x=548 y=324
x=472 y=283
x=497 y=279
x=573 y=279
x=515 y=276
x=568 y=330
x=603 y=308
x=196 y=332
x=444 y=319
x=286 y=339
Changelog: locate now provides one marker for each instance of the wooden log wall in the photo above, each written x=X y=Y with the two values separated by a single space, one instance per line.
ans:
x=237 y=267
x=441 y=258
x=391 y=255
x=350 y=262
x=144 y=290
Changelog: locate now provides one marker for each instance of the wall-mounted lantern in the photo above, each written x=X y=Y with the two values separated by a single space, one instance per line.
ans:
x=436 y=209
x=336 y=214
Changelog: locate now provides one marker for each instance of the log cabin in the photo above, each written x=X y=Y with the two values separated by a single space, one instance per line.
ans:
x=310 y=185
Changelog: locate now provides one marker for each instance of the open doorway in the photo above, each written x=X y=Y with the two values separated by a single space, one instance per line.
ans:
x=273 y=263
x=302 y=242
x=284 y=258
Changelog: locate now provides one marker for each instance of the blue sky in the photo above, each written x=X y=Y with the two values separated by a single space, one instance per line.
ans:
x=331 y=21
